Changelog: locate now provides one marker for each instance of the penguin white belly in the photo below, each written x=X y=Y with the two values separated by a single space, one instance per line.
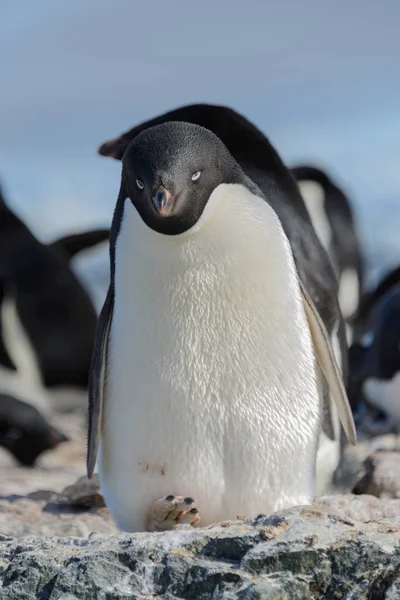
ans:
x=211 y=379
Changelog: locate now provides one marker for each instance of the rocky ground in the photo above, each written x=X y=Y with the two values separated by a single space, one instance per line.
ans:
x=57 y=540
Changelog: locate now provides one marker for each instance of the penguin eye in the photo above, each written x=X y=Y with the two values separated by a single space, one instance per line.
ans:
x=196 y=176
x=140 y=184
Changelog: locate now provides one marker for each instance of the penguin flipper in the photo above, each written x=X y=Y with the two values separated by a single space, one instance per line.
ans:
x=329 y=366
x=97 y=378
x=327 y=421
x=71 y=245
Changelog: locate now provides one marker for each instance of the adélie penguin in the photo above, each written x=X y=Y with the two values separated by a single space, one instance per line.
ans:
x=204 y=389
x=47 y=318
x=261 y=163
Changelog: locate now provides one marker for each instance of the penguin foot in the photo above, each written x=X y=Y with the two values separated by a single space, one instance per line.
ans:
x=169 y=512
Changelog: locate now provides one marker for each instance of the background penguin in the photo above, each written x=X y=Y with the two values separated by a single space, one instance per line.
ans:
x=25 y=432
x=260 y=162
x=369 y=300
x=211 y=389
x=48 y=319
x=375 y=356
x=332 y=217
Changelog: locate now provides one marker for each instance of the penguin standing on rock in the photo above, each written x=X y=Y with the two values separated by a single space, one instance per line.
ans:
x=204 y=389
x=260 y=162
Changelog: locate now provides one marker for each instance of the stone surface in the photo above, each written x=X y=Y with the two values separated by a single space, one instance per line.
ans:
x=22 y=516
x=370 y=467
x=301 y=553
x=362 y=508
x=84 y=493
x=58 y=541
x=382 y=475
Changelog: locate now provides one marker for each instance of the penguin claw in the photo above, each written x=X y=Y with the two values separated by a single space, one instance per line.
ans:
x=169 y=512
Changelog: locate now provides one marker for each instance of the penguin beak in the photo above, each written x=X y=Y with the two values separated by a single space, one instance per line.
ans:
x=163 y=201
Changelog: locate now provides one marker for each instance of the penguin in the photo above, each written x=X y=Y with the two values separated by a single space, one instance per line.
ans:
x=73 y=244
x=333 y=220
x=44 y=301
x=261 y=163
x=204 y=387
x=368 y=301
x=25 y=432
x=375 y=356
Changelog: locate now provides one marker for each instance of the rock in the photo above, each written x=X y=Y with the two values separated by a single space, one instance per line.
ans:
x=312 y=552
x=84 y=493
x=355 y=472
x=362 y=508
x=23 y=516
x=382 y=475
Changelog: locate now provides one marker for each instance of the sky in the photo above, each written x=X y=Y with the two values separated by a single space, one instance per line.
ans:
x=321 y=79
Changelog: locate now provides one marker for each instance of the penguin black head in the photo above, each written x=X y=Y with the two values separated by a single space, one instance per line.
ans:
x=24 y=431
x=170 y=171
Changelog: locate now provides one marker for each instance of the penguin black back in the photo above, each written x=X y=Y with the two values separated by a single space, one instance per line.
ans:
x=54 y=308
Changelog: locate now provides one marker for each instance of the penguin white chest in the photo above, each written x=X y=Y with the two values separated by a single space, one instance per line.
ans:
x=211 y=385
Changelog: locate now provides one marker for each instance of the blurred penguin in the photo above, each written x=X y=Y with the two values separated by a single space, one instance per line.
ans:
x=332 y=216
x=48 y=320
x=375 y=354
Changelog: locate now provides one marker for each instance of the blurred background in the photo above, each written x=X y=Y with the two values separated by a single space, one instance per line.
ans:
x=321 y=79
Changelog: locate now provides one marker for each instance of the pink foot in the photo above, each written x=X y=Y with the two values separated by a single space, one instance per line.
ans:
x=169 y=512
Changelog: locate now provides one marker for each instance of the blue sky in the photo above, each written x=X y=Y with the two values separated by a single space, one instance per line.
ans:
x=321 y=79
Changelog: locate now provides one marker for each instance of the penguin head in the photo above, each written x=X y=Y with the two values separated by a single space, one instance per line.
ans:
x=170 y=171
x=25 y=432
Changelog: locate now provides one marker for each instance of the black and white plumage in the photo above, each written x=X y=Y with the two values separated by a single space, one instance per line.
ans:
x=375 y=354
x=53 y=307
x=47 y=318
x=176 y=224
x=332 y=216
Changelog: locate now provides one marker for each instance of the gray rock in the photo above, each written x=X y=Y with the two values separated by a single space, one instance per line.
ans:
x=314 y=552
x=363 y=508
x=84 y=493
x=370 y=467
x=23 y=516
x=382 y=475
